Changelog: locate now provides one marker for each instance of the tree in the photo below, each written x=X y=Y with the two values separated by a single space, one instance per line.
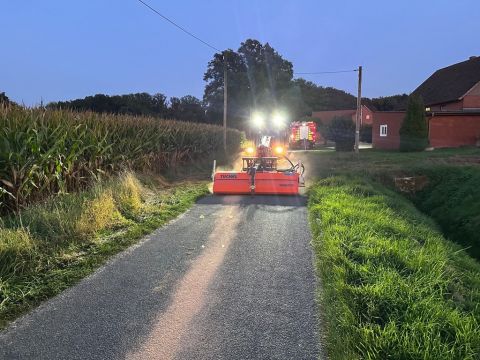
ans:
x=414 y=131
x=132 y=104
x=342 y=130
x=186 y=108
x=387 y=103
x=258 y=79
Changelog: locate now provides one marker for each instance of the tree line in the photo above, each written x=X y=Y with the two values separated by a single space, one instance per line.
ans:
x=186 y=108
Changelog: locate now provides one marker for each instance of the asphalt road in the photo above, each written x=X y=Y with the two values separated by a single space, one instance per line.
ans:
x=230 y=279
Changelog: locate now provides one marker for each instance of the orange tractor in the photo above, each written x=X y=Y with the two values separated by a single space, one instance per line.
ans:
x=260 y=173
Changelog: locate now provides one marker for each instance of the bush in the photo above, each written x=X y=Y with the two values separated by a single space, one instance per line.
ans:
x=414 y=131
x=342 y=131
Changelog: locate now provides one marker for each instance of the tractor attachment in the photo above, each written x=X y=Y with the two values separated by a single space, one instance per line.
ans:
x=260 y=175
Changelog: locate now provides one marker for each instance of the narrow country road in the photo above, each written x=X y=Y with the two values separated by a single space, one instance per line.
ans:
x=231 y=279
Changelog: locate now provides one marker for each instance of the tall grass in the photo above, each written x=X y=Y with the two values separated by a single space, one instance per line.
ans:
x=392 y=286
x=43 y=152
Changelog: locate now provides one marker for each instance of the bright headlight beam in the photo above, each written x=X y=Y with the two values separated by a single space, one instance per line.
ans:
x=258 y=120
x=279 y=150
x=278 y=120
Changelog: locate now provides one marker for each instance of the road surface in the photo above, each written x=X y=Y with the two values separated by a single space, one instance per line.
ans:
x=230 y=279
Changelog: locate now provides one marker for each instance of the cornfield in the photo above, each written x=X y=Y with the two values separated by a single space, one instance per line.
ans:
x=44 y=152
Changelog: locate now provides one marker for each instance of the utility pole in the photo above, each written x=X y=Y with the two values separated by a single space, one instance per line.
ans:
x=359 y=111
x=225 y=104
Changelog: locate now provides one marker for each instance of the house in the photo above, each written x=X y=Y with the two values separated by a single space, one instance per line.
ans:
x=327 y=116
x=456 y=87
x=452 y=106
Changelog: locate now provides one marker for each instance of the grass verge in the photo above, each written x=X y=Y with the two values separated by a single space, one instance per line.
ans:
x=53 y=245
x=392 y=286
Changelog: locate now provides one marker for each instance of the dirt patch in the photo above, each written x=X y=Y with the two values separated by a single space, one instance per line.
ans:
x=410 y=184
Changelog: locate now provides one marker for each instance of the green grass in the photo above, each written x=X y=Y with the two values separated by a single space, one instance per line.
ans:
x=374 y=163
x=452 y=198
x=54 y=244
x=392 y=286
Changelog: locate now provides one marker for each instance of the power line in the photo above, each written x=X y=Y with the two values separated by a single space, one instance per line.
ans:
x=324 y=72
x=178 y=26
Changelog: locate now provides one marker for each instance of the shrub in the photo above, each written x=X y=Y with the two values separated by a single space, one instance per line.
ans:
x=342 y=131
x=414 y=131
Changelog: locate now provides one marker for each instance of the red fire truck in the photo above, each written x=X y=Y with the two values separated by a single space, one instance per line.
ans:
x=303 y=134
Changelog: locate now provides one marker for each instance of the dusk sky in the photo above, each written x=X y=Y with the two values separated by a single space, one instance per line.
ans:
x=58 y=50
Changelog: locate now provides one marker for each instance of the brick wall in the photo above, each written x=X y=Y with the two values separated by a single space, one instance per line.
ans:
x=454 y=130
x=393 y=121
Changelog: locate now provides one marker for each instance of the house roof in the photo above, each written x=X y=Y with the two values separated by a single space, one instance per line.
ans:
x=327 y=115
x=450 y=83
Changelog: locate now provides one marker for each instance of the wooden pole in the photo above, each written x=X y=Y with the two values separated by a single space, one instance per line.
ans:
x=358 y=118
x=225 y=104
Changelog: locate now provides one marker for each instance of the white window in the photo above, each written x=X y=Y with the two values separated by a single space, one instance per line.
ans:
x=383 y=130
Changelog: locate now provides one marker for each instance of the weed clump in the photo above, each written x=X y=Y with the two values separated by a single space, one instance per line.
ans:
x=17 y=251
x=98 y=214
x=128 y=195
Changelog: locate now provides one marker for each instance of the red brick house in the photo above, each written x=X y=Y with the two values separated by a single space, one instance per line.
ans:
x=452 y=105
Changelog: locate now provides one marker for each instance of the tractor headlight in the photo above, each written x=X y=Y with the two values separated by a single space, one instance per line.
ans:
x=250 y=150
x=258 y=120
x=279 y=120
x=279 y=150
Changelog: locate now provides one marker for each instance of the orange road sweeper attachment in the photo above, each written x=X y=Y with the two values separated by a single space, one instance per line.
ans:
x=260 y=175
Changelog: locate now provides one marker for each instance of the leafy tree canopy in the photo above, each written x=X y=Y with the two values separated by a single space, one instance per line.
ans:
x=387 y=103
x=258 y=78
